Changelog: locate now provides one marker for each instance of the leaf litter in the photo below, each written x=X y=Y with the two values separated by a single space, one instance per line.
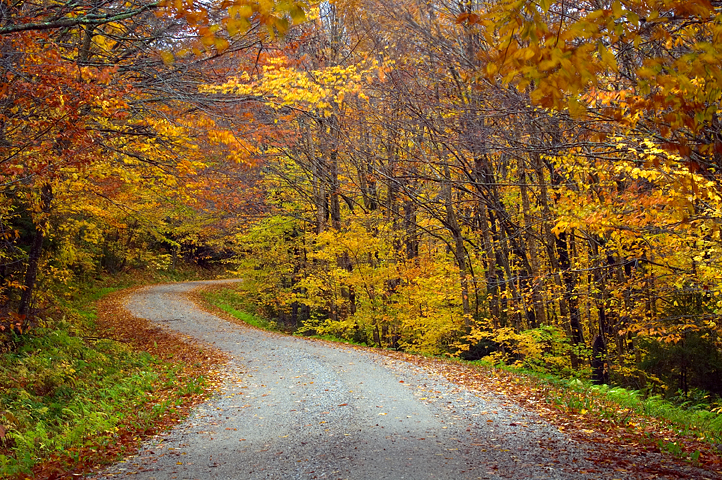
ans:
x=615 y=441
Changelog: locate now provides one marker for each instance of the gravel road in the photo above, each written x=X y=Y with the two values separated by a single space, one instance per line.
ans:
x=291 y=408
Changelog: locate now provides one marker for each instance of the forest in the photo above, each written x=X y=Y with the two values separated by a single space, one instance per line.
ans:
x=528 y=183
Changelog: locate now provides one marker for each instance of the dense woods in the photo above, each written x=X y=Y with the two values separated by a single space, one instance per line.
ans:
x=530 y=183
x=535 y=184
x=110 y=158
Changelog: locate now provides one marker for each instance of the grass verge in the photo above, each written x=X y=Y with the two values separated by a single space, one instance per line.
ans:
x=85 y=388
x=227 y=300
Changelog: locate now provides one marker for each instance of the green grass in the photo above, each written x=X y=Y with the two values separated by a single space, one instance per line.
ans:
x=60 y=392
x=248 y=318
x=63 y=389
x=620 y=404
x=334 y=338
x=232 y=303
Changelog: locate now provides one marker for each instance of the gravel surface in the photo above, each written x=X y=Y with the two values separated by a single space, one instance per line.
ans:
x=291 y=408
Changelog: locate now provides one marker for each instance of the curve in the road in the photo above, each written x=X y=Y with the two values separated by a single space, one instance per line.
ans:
x=296 y=409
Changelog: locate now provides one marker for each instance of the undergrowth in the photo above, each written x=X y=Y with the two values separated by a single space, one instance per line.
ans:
x=66 y=390
x=235 y=305
x=61 y=391
x=696 y=420
x=623 y=405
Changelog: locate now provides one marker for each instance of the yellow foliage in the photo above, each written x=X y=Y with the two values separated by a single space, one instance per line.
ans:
x=319 y=90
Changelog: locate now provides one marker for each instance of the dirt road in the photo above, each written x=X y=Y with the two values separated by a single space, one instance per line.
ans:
x=291 y=408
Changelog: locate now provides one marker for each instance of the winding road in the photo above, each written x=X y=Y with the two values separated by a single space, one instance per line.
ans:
x=290 y=408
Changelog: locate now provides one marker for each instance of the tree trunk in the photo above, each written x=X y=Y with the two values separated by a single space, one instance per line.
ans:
x=412 y=237
x=559 y=260
x=452 y=224
x=319 y=183
x=36 y=250
x=534 y=281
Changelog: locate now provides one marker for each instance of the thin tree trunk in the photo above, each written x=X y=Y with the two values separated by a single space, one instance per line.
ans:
x=531 y=242
x=412 y=237
x=335 y=187
x=36 y=250
x=492 y=286
x=559 y=260
x=319 y=188
x=452 y=224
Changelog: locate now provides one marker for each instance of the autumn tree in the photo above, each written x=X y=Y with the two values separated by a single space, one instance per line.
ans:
x=101 y=101
x=559 y=156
